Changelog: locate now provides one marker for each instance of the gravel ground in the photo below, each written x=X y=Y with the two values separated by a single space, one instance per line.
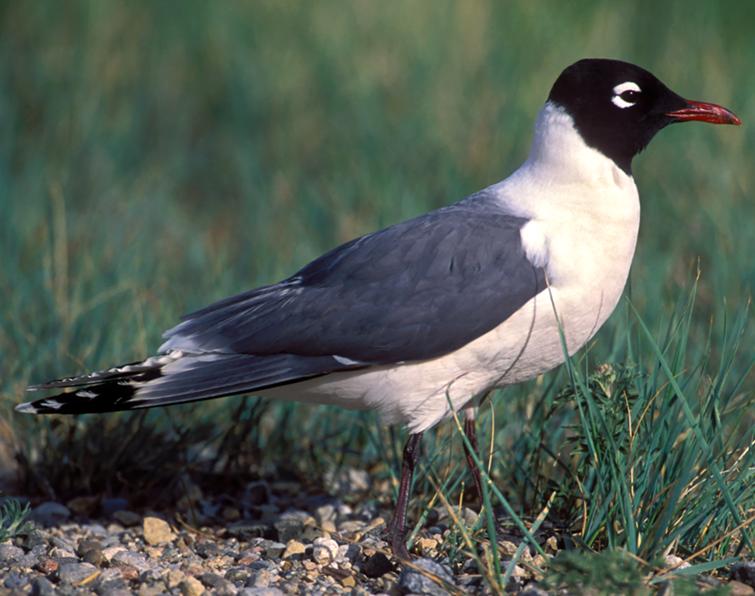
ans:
x=272 y=539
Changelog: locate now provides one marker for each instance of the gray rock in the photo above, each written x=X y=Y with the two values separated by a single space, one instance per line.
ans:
x=50 y=513
x=414 y=582
x=10 y=553
x=114 y=587
x=217 y=584
x=288 y=527
x=63 y=544
x=207 y=549
x=34 y=539
x=261 y=592
x=273 y=550
x=237 y=574
x=15 y=581
x=744 y=572
x=260 y=579
x=41 y=586
x=532 y=589
x=127 y=518
x=324 y=551
x=74 y=573
x=136 y=560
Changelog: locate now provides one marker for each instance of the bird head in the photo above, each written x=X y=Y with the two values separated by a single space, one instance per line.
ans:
x=618 y=107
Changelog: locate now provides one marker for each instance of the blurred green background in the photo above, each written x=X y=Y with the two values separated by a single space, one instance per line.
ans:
x=156 y=156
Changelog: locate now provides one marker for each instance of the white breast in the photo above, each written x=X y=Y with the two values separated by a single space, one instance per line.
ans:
x=584 y=218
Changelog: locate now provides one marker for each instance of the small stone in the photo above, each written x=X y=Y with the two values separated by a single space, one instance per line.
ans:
x=94 y=556
x=261 y=592
x=207 y=549
x=174 y=577
x=127 y=518
x=348 y=581
x=59 y=554
x=273 y=550
x=744 y=572
x=676 y=562
x=136 y=560
x=551 y=545
x=294 y=547
x=111 y=551
x=50 y=513
x=128 y=572
x=156 y=589
x=218 y=585
x=411 y=580
x=83 y=506
x=47 y=565
x=41 y=586
x=231 y=514
x=532 y=589
x=328 y=526
x=324 y=551
x=260 y=579
x=507 y=548
x=15 y=582
x=157 y=531
x=739 y=589
x=469 y=516
x=427 y=545
x=191 y=586
x=10 y=554
x=76 y=573
x=237 y=574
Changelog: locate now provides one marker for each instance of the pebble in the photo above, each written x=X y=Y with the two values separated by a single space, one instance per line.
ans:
x=744 y=572
x=50 y=513
x=75 y=573
x=191 y=586
x=532 y=589
x=414 y=582
x=10 y=553
x=294 y=547
x=157 y=531
x=41 y=586
x=324 y=551
x=132 y=559
x=676 y=562
x=127 y=518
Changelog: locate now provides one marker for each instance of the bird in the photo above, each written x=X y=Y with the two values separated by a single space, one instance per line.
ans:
x=422 y=319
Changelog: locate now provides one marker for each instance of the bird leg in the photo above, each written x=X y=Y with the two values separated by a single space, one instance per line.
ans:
x=470 y=430
x=397 y=528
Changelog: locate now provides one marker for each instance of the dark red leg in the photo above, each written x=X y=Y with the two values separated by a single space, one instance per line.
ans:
x=471 y=431
x=397 y=528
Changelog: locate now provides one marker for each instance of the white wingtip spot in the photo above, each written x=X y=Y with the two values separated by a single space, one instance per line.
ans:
x=26 y=408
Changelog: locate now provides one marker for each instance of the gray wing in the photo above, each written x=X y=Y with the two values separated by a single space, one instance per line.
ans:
x=415 y=290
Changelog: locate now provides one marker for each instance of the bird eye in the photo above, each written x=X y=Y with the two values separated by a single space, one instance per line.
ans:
x=625 y=94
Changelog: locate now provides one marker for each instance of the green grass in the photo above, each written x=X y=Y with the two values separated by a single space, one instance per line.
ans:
x=157 y=156
x=13 y=519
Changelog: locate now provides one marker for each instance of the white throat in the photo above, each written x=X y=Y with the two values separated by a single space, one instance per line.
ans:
x=559 y=150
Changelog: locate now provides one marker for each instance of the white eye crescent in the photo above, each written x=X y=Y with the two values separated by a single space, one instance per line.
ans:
x=624 y=93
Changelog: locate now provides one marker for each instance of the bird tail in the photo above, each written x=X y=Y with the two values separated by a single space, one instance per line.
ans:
x=175 y=378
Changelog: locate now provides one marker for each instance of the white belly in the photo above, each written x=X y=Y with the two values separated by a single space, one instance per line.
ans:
x=587 y=283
